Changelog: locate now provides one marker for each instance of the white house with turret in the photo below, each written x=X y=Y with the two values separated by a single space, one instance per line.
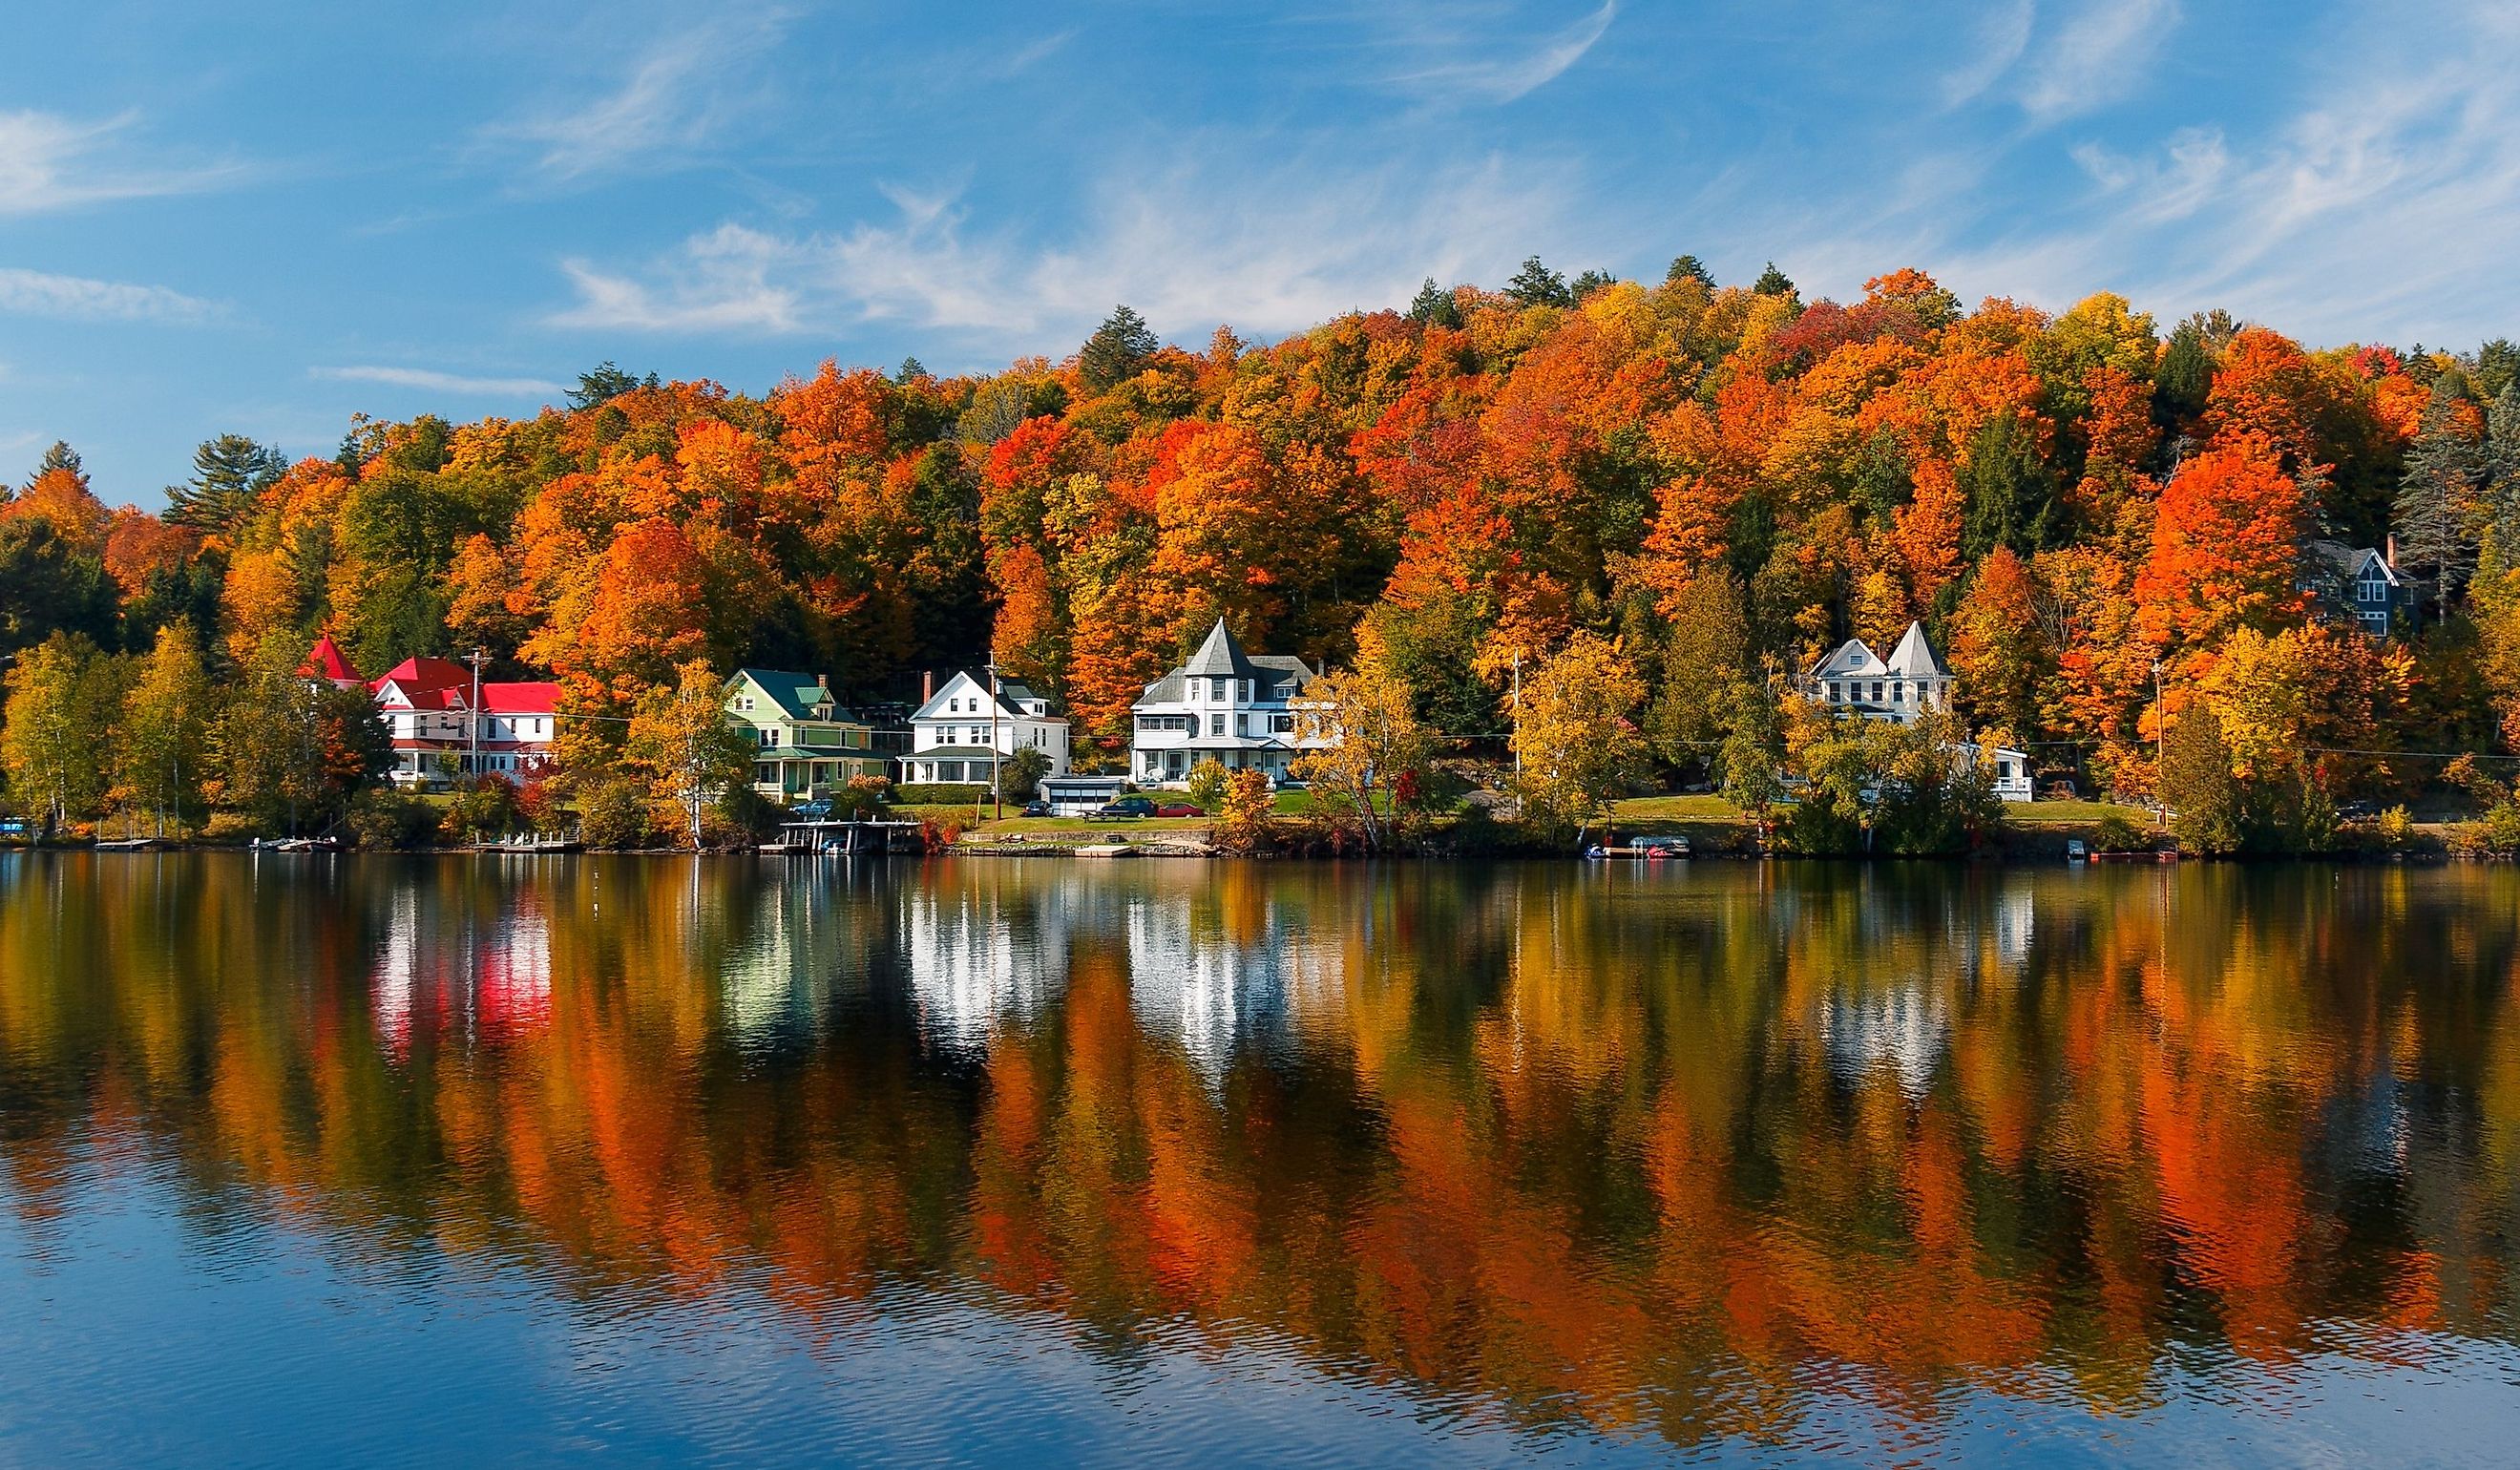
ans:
x=1904 y=687
x=1225 y=705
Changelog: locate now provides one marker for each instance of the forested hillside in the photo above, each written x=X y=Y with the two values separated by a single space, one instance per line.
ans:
x=1724 y=482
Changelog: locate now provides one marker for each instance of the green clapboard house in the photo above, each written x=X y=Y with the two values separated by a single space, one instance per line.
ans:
x=805 y=745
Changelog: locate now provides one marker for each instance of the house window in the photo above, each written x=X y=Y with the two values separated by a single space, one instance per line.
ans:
x=1216 y=725
x=1246 y=691
x=945 y=735
x=1224 y=689
x=979 y=735
x=1876 y=690
x=1241 y=724
x=1282 y=724
x=1836 y=693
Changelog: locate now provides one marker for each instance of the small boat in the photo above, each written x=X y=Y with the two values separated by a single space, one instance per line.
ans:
x=1107 y=850
x=1649 y=848
x=297 y=845
x=2076 y=852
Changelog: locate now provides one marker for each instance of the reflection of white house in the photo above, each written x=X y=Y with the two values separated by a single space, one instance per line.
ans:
x=1225 y=705
x=952 y=732
x=979 y=961
x=1904 y=687
x=1903 y=1028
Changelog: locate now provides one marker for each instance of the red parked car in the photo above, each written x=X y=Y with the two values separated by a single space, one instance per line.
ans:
x=1178 y=809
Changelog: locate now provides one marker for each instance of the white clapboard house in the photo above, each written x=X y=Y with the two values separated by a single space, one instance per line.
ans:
x=952 y=733
x=1902 y=688
x=1225 y=705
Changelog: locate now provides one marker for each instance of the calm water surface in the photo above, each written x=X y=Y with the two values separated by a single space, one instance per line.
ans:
x=503 y=1161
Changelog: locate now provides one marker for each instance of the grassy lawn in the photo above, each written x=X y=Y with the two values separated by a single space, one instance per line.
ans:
x=2039 y=812
x=1708 y=807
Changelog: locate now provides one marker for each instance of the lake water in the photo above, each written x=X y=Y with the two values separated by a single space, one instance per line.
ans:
x=494 y=1161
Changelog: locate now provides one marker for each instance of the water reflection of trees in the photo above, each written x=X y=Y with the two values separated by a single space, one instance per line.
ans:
x=1657 y=1151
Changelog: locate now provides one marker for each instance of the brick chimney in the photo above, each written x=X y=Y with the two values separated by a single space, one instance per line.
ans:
x=926 y=685
x=2391 y=555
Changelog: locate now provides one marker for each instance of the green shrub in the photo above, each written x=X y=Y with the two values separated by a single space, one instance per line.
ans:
x=1207 y=783
x=2397 y=830
x=2114 y=833
x=963 y=793
x=612 y=813
x=383 y=819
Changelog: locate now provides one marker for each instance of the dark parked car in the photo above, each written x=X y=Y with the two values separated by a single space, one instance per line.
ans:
x=813 y=810
x=1125 y=809
x=1179 y=809
x=1036 y=809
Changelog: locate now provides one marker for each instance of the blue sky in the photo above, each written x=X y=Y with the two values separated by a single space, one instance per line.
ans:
x=268 y=217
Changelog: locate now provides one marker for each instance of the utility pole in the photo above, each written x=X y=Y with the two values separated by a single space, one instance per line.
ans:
x=472 y=714
x=997 y=798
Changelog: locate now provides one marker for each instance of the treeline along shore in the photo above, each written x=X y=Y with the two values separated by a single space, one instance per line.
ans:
x=1564 y=561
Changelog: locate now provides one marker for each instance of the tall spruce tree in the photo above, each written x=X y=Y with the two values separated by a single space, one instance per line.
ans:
x=2438 y=511
x=229 y=474
x=1536 y=285
x=1116 y=350
x=1435 y=306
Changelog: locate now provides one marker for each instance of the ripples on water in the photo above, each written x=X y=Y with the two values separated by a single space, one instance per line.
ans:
x=1033 y=1162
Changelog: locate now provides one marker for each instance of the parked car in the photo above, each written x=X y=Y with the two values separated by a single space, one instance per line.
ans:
x=2358 y=811
x=1125 y=809
x=1179 y=809
x=813 y=810
x=1036 y=808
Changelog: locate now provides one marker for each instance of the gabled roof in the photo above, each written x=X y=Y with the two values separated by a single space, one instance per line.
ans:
x=417 y=674
x=1012 y=699
x=326 y=662
x=796 y=694
x=1852 y=659
x=1272 y=676
x=535 y=699
x=1914 y=658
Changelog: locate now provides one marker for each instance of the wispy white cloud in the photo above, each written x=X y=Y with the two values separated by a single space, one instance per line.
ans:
x=1202 y=241
x=670 y=100
x=1460 y=61
x=2381 y=208
x=2098 y=56
x=1028 y=57
x=42 y=294
x=50 y=162
x=440 y=382
x=2000 y=39
x=718 y=281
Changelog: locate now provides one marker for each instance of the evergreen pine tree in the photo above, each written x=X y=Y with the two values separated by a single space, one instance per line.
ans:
x=229 y=474
x=2437 y=511
x=1688 y=268
x=1435 y=306
x=1773 y=282
x=2011 y=493
x=60 y=457
x=1536 y=285
x=1116 y=350
x=912 y=370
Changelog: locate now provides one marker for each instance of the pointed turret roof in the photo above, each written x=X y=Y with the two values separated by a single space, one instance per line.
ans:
x=326 y=662
x=1220 y=656
x=1914 y=658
